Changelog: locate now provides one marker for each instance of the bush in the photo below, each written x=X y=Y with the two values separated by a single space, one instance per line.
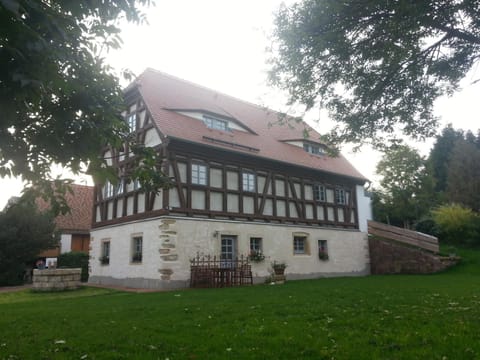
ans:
x=24 y=233
x=427 y=226
x=75 y=259
x=13 y=275
x=457 y=224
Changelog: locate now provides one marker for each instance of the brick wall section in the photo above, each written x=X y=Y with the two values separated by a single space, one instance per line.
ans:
x=389 y=257
x=56 y=279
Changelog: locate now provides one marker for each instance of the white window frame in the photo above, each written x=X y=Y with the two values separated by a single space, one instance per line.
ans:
x=132 y=122
x=248 y=181
x=215 y=123
x=121 y=187
x=340 y=196
x=300 y=245
x=228 y=251
x=319 y=192
x=108 y=190
x=136 y=184
x=313 y=149
x=199 y=174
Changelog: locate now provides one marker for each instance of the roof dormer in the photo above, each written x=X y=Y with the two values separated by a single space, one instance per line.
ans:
x=309 y=146
x=215 y=121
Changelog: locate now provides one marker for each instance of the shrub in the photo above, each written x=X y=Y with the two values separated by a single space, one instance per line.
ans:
x=457 y=224
x=427 y=226
x=75 y=259
x=24 y=233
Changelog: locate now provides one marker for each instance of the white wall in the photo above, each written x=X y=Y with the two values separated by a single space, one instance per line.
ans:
x=364 y=208
x=169 y=243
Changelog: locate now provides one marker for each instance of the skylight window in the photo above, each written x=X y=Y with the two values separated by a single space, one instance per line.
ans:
x=215 y=123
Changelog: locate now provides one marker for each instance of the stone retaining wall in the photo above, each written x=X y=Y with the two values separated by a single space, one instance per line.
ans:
x=56 y=279
x=389 y=257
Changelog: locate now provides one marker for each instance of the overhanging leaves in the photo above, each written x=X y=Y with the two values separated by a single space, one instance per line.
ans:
x=376 y=65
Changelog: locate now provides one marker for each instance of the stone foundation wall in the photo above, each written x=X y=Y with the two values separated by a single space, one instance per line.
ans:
x=389 y=257
x=56 y=279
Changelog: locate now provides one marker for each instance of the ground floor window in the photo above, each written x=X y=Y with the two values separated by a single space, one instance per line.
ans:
x=105 y=255
x=322 y=250
x=228 y=250
x=300 y=245
x=256 y=249
x=137 y=249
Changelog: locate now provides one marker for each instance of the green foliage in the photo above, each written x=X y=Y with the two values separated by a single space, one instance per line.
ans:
x=75 y=259
x=463 y=184
x=24 y=233
x=427 y=226
x=376 y=65
x=374 y=317
x=412 y=186
x=439 y=158
x=61 y=103
x=406 y=187
x=457 y=224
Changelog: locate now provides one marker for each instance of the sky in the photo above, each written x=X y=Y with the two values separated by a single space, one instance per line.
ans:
x=221 y=44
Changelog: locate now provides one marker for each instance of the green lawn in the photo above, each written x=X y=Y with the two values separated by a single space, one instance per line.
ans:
x=377 y=317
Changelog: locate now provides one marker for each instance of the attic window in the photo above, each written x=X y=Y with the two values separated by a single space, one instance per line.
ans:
x=313 y=149
x=215 y=123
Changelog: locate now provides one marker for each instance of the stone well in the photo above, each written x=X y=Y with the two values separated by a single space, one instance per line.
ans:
x=56 y=279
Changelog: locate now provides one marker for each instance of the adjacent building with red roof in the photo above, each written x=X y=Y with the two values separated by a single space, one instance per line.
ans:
x=75 y=225
x=243 y=184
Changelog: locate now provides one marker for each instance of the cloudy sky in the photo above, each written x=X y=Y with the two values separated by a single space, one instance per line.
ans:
x=221 y=44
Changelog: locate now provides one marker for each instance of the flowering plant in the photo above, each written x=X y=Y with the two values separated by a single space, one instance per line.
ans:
x=137 y=257
x=256 y=256
x=323 y=255
x=279 y=265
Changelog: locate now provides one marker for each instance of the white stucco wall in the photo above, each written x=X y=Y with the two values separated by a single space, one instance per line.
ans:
x=364 y=208
x=169 y=243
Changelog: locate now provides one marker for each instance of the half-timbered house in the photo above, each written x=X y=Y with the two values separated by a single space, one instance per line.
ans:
x=242 y=185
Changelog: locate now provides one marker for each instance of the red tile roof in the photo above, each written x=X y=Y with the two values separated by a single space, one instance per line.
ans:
x=162 y=92
x=79 y=219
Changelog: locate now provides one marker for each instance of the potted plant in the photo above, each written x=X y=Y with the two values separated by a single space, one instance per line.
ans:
x=279 y=267
x=323 y=255
x=104 y=260
x=137 y=257
x=256 y=256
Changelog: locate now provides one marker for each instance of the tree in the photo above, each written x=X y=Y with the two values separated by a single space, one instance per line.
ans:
x=463 y=185
x=24 y=233
x=61 y=103
x=440 y=155
x=407 y=187
x=376 y=65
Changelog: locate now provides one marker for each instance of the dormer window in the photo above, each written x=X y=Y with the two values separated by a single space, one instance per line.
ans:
x=313 y=149
x=215 y=123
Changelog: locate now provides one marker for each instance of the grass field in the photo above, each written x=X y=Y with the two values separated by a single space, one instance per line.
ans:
x=377 y=317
